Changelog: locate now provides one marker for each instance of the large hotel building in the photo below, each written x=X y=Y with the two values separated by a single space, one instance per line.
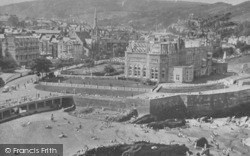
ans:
x=21 y=48
x=168 y=58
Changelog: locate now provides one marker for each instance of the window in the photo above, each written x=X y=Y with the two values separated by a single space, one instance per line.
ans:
x=177 y=77
x=163 y=73
x=156 y=73
x=130 y=71
x=139 y=71
x=152 y=73
x=135 y=71
x=144 y=71
x=171 y=77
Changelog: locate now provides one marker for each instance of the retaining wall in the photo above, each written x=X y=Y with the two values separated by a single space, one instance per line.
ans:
x=217 y=105
x=142 y=106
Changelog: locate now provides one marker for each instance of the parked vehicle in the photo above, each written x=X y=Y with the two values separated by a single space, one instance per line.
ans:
x=6 y=89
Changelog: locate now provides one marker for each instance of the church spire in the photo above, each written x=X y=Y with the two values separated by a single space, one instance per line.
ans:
x=95 y=27
x=95 y=20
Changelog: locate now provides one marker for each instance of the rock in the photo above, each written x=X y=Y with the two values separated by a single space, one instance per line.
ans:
x=247 y=142
x=171 y=123
x=202 y=142
x=139 y=149
x=144 y=119
x=122 y=118
x=244 y=119
x=205 y=152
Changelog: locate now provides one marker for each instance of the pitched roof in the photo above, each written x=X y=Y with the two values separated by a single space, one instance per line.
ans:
x=83 y=35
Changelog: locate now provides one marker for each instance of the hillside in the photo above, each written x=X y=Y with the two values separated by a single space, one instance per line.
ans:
x=144 y=14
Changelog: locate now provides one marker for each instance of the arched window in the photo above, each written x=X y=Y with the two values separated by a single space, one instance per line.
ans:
x=144 y=72
x=152 y=73
x=163 y=73
x=130 y=70
x=156 y=73
x=135 y=71
x=139 y=71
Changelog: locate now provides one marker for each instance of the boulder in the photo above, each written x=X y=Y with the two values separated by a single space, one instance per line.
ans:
x=144 y=119
x=122 y=118
x=171 y=123
x=139 y=149
x=201 y=142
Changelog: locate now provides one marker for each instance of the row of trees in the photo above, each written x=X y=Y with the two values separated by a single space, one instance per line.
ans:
x=243 y=29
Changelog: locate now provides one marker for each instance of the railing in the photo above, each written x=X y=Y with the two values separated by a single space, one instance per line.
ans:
x=25 y=99
x=96 y=87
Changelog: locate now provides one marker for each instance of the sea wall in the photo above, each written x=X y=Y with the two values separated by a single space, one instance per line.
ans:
x=141 y=105
x=217 y=105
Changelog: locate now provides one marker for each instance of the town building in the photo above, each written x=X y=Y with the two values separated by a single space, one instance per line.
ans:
x=2 y=37
x=22 y=49
x=48 y=45
x=168 y=58
x=109 y=42
x=70 y=49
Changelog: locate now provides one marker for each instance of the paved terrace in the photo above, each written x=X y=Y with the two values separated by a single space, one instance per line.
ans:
x=25 y=99
x=96 y=87
x=232 y=88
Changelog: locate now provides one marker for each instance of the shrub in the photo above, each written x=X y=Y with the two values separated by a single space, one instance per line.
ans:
x=109 y=69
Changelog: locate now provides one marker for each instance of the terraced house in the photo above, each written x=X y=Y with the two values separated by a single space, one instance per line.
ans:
x=164 y=57
x=21 y=48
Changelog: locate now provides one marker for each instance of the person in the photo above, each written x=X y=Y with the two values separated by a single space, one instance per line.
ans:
x=52 y=117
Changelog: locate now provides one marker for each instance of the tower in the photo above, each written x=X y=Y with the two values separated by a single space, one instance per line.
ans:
x=95 y=28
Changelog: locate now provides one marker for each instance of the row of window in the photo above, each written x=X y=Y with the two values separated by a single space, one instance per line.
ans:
x=138 y=71
x=27 y=44
x=25 y=57
x=26 y=50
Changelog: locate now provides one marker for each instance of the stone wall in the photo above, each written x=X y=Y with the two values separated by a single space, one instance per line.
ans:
x=216 y=105
x=141 y=105
x=170 y=107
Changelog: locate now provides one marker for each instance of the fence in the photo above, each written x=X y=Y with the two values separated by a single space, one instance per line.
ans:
x=97 y=87
x=18 y=101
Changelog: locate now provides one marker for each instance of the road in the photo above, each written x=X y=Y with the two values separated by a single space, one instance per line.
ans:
x=26 y=88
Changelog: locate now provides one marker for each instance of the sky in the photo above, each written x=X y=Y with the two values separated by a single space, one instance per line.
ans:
x=5 y=2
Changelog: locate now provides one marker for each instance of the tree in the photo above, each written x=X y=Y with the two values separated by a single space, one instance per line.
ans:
x=41 y=65
x=89 y=63
x=218 y=52
x=13 y=20
x=7 y=63
x=109 y=69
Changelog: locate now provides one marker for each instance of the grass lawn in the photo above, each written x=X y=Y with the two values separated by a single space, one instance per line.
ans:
x=95 y=69
x=114 y=93
x=235 y=64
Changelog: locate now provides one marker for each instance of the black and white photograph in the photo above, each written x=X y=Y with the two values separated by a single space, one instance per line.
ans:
x=125 y=77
